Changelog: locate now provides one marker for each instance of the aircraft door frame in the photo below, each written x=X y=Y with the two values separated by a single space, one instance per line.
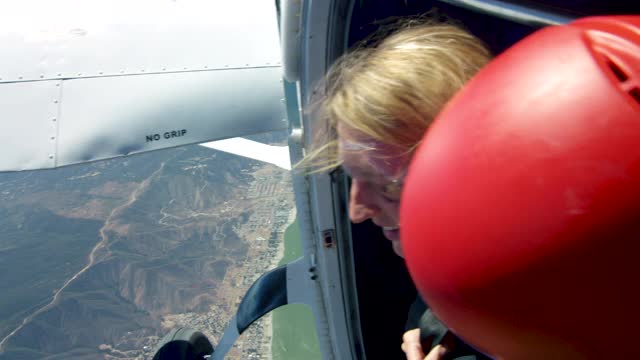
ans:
x=320 y=198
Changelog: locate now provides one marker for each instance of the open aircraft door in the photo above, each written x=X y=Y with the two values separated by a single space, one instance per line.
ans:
x=86 y=81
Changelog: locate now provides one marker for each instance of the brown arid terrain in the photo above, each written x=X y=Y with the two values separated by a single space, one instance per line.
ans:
x=105 y=258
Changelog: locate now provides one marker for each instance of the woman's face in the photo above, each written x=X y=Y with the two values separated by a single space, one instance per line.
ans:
x=377 y=172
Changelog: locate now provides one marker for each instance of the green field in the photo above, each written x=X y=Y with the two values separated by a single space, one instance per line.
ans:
x=294 y=334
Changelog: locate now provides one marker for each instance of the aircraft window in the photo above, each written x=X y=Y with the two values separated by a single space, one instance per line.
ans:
x=100 y=260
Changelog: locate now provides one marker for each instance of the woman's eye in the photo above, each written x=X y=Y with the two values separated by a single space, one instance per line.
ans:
x=392 y=191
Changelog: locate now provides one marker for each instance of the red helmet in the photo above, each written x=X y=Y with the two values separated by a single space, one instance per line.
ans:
x=521 y=209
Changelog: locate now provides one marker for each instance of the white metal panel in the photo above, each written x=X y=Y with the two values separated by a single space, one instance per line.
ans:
x=112 y=116
x=28 y=124
x=174 y=72
x=86 y=38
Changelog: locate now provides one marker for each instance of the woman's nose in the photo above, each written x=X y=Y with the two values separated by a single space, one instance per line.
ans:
x=361 y=202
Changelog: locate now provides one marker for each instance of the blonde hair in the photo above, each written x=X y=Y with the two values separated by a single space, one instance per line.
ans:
x=391 y=91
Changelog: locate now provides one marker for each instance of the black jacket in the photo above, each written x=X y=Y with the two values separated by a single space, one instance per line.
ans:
x=433 y=332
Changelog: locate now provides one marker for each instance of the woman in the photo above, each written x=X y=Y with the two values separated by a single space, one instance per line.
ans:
x=379 y=100
x=378 y=103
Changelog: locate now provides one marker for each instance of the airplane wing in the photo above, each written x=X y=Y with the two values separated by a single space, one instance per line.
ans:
x=276 y=155
x=115 y=78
